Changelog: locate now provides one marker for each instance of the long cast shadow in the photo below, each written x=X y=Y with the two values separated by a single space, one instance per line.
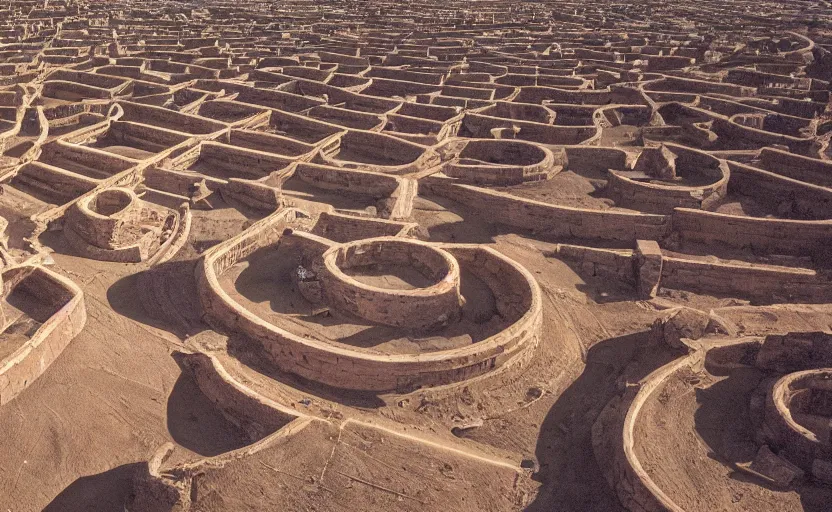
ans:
x=723 y=422
x=102 y=492
x=568 y=470
x=195 y=423
x=164 y=296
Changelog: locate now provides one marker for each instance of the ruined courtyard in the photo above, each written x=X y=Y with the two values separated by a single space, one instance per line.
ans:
x=297 y=255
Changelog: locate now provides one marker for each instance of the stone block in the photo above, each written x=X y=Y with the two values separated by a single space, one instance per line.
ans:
x=647 y=259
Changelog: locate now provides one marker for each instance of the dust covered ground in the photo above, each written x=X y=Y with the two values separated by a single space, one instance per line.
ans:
x=466 y=256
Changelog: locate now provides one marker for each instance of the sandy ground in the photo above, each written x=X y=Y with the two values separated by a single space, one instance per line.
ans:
x=100 y=393
x=518 y=438
x=695 y=429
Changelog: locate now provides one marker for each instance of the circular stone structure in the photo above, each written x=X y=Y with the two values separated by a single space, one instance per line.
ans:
x=416 y=308
x=345 y=366
x=501 y=162
x=798 y=416
x=114 y=224
x=739 y=405
x=100 y=219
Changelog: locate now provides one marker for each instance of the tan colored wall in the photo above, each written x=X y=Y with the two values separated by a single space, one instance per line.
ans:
x=417 y=308
x=778 y=236
x=33 y=358
x=651 y=198
x=600 y=262
x=811 y=201
x=344 y=228
x=552 y=219
x=350 y=368
x=809 y=170
x=242 y=407
x=480 y=126
x=759 y=284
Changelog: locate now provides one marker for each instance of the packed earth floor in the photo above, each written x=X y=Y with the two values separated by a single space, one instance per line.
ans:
x=367 y=255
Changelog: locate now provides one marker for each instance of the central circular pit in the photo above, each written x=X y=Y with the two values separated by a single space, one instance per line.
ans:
x=393 y=281
x=109 y=202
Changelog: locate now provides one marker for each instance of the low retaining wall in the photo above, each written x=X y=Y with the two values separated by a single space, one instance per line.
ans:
x=238 y=404
x=344 y=228
x=764 y=284
x=759 y=284
x=613 y=442
x=779 y=236
x=808 y=200
x=552 y=219
x=481 y=126
x=28 y=362
x=501 y=162
x=797 y=167
x=617 y=264
x=662 y=199
x=801 y=444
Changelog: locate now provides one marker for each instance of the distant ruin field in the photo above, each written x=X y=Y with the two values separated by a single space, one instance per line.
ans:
x=415 y=256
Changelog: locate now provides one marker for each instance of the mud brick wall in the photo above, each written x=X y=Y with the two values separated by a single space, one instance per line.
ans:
x=418 y=308
x=770 y=235
x=131 y=254
x=509 y=162
x=61 y=182
x=269 y=143
x=481 y=126
x=275 y=99
x=608 y=446
x=700 y=86
x=100 y=229
x=800 y=444
x=175 y=182
x=660 y=199
x=252 y=416
x=662 y=62
x=254 y=193
x=600 y=262
x=62 y=90
x=587 y=158
x=552 y=219
x=759 y=284
x=93 y=158
x=351 y=368
x=69 y=316
x=809 y=201
x=801 y=168
x=244 y=161
x=380 y=146
x=583 y=97
x=92 y=79
x=730 y=131
x=140 y=135
x=511 y=291
x=373 y=184
x=405 y=75
x=147 y=114
x=344 y=228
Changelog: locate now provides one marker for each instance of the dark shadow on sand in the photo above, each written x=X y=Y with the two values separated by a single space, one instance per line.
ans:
x=195 y=422
x=103 y=492
x=568 y=470
x=163 y=296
